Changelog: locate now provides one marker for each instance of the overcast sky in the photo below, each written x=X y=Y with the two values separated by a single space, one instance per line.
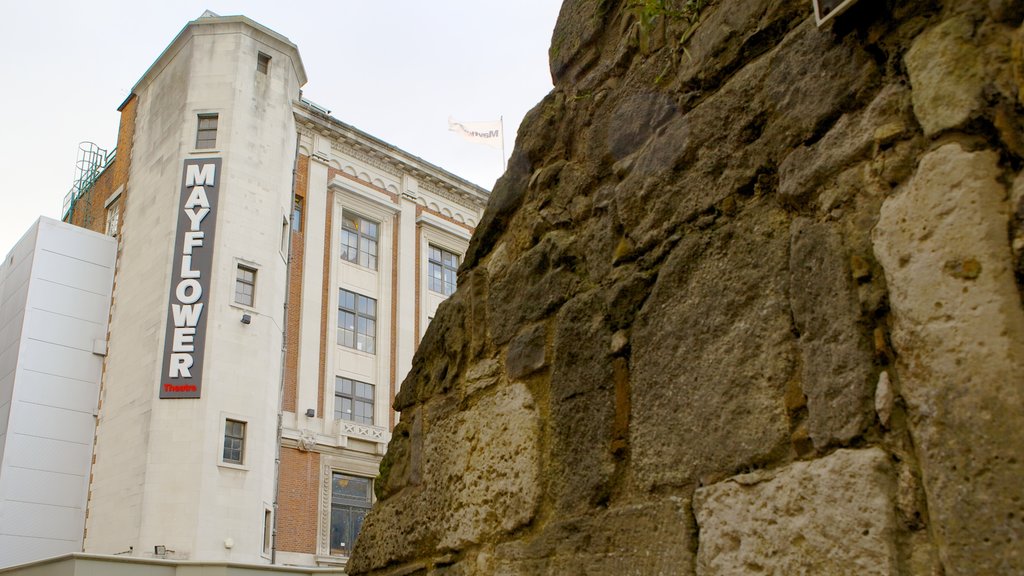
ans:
x=394 y=69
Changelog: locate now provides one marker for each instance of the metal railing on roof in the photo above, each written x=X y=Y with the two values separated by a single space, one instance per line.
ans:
x=91 y=162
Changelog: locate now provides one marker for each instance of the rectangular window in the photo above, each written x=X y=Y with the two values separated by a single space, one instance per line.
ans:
x=297 y=214
x=262 y=63
x=113 y=216
x=245 y=286
x=357 y=321
x=206 y=134
x=359 y=240
x=268 y=530
x=353 y=400
x=442 y=266
x=350 y=501
x=234 y=441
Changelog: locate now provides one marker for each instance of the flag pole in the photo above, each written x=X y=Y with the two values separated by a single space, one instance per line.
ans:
x=503 y=164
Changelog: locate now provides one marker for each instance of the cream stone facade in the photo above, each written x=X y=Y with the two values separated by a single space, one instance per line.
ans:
x=413 y=208
x=276 y=269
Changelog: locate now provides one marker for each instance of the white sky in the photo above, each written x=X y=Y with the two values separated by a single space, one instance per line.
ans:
x=395 y=69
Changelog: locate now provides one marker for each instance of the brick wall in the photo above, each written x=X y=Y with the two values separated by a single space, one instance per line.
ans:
x=298 y=245
x=89 y=211
x=297 y=501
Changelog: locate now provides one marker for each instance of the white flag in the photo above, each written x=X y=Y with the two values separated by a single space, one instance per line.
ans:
x=488 y=133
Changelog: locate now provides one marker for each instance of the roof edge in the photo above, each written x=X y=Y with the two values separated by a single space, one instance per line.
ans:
x=285 y=45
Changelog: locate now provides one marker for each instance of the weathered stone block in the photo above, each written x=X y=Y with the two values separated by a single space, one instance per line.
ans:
x=959 y=340
x=947 y=75
x=829 y=517
x=533 y=286
x=837 y=357
x=527 y=352
x=712 y=352
x=639 y=540
x=808 y=168
x=582 y=406
x=480 y=478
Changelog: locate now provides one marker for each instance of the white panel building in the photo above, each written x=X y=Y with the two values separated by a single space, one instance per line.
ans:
x=55 y=287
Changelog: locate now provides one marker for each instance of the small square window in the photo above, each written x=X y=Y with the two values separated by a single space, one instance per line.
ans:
x=262 y=63
x=206 y=134
x=234 y=441
x=245 y=286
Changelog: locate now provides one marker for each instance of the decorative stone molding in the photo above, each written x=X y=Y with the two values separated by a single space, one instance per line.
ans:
x=363 y=432
x=307 y=440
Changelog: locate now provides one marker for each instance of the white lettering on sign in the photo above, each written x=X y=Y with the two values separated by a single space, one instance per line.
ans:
x=193 y=239
x=186 y=315
x=182 y=341
x=189 y=291
x=198 y=199
x=180 y=363
x=186 y=330
x=195 y=217
x=196 y=176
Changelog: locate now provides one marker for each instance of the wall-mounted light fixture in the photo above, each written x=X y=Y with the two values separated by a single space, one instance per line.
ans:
x=160 y=550
x=310 y=413
x=246 y=319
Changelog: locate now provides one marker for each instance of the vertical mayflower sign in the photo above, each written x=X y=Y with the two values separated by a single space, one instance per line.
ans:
x=182 y=373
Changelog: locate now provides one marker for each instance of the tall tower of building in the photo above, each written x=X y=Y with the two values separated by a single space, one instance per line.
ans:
x=186 y=436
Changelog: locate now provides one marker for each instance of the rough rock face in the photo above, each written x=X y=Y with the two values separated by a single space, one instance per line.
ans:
x=747 y=301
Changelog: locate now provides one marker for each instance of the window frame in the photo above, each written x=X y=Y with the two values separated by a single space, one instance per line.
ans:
x=297 y=214
x=239 y=281
x=268 y=530
x=357 y=312
x=355 y=399
x=361 y=256
x=443 y=267
x=113 y=218
x=343 y=503
x=203 y=134
x=224 y=458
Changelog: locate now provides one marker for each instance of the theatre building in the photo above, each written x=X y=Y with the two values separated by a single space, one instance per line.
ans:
x=275 y=270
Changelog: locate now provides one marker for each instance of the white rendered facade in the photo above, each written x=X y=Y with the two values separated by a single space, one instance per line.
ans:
x=55 y=289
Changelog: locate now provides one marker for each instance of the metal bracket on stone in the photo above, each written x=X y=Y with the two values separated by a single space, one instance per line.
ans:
x=824 y=10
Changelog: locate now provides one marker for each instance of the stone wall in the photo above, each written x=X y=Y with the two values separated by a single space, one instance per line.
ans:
x=748 y=300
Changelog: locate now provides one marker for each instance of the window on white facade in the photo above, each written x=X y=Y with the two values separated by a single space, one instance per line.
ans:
x=359 y=240
x=268 y=530
x=442 y=266
x=113 y=217
x=206 y=134
x=357 y=321
x=245 y=286
x=262 y=63
x=353 y=400
x=234 y=441
x=350 y=501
